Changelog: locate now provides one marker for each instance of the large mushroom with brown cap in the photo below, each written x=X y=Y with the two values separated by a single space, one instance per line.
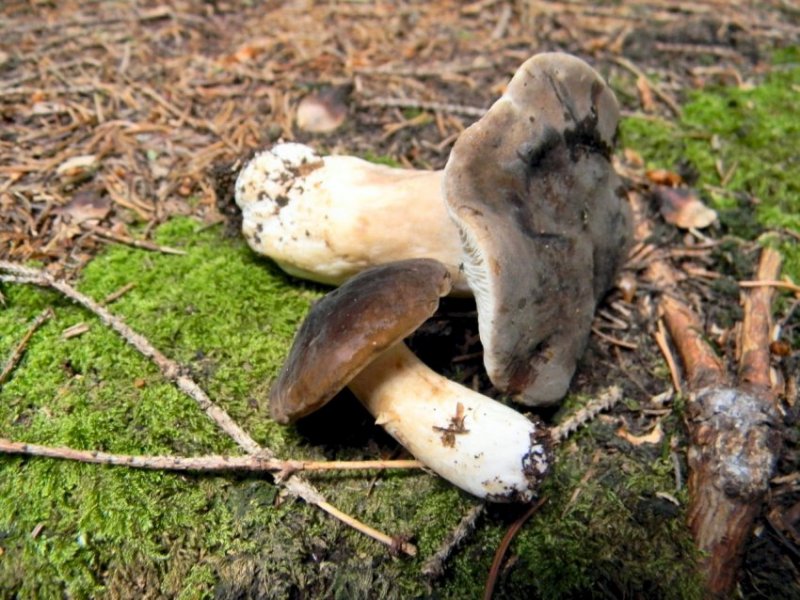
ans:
x=530 y=220
x=353 y=337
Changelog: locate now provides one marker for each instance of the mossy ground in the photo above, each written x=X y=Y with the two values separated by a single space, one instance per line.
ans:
x=90 y=531
x=753 y=134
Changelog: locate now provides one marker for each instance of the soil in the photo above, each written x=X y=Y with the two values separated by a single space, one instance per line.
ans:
x=117 y=116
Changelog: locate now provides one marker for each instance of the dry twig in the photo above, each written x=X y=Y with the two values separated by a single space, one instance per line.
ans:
x=783 y=285
x=117 y=294
x=434 y=566
x=205 y=464
x=614 y=341
x=113 y=236
x=671 y=103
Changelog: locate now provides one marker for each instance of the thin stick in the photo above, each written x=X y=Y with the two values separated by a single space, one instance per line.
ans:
x=206 y=464
x=395 y=543
x=16 y=355
x=615 y=341
x=434 y=566
x=494 y=571
x=661 y=340
x=173 y=372
x=754 y=354
x=107 y=235
x=666 y=98
x=605 y=401
x=116 y=295
x=784 y=285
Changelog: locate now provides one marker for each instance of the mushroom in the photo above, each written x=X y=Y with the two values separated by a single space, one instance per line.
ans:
x=530 y=219
x=543 y=221
x=352 y=337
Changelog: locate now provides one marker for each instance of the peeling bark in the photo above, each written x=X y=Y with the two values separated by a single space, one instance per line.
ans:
x=734 y=445
x=734 y=431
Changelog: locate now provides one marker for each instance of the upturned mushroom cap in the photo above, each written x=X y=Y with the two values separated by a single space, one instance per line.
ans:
x=350 y=327
x=541 y=215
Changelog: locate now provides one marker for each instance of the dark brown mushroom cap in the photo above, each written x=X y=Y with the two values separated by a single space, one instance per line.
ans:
x=543 y=221
x=350 y=327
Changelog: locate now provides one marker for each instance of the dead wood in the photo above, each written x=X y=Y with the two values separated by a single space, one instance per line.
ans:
x=734 y=431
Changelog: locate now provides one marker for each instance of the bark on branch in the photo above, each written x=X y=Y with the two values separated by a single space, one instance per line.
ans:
x=734 y=430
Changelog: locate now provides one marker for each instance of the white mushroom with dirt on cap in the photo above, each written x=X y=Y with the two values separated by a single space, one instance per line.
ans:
x=328 y=218
x=531 y=220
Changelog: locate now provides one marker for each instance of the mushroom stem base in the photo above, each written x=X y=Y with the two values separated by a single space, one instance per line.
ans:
x=476 y=443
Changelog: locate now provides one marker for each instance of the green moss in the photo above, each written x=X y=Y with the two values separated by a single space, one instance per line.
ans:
x=95 y=524
x=382 y=160
x=753 y=134
x=229 y=317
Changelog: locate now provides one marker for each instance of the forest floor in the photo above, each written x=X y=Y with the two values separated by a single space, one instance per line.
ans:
x=122 y=125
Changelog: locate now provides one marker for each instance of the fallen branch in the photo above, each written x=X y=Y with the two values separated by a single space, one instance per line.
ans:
x=733 y=428
x=174 y=373
x=734 y=432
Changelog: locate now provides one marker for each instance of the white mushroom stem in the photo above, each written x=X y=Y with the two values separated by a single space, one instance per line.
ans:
x=476 y=443
x=326 y=219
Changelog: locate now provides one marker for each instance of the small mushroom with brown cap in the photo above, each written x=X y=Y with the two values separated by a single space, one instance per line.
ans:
x=542 y=217
x=353 y=337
